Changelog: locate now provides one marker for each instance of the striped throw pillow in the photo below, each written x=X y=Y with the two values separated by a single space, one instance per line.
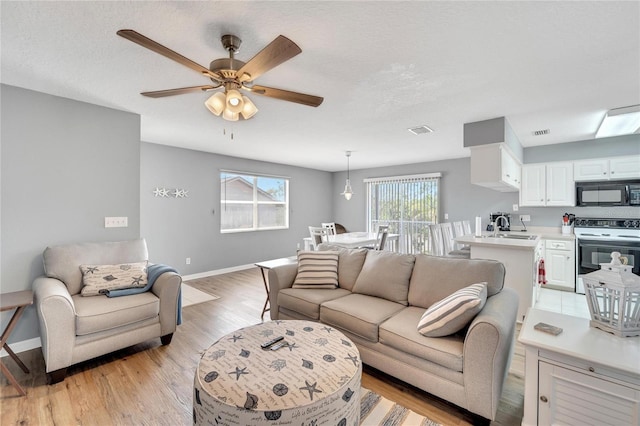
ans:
x=454 y=312
x=317 y=269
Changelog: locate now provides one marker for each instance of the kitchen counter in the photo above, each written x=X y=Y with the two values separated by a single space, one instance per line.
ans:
x=519 y=257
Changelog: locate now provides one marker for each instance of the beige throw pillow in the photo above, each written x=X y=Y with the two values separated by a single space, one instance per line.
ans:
x=454 y=312
x=317 y=269
x=97 y=279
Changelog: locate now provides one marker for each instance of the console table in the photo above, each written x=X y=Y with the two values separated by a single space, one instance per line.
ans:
x=581 y=376
x=19 y=301
x=270 y=264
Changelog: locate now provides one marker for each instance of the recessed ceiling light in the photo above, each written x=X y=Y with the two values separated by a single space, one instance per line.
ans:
x=420 y=130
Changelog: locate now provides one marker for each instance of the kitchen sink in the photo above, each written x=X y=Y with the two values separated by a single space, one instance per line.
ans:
x=517 y=236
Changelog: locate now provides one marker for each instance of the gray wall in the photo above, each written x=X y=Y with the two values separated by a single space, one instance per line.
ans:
x=462 y=200
x=177 y=228
x=65 y=166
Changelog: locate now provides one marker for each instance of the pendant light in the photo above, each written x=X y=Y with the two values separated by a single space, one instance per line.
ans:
x=347 y=186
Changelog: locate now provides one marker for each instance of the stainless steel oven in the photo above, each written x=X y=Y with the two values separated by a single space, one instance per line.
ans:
x=597 y=238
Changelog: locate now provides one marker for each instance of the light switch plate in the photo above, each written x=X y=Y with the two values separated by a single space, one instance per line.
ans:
x=515 y=207
x=116 y=222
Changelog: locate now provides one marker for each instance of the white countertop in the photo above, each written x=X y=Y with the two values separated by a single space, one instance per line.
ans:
x=488 y=241
x=545 y=232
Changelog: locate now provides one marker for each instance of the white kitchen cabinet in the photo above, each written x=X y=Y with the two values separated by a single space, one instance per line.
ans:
x=581 y=376
x=560 y=264
x=627 y=167
x=493 y=166
x=549 y=184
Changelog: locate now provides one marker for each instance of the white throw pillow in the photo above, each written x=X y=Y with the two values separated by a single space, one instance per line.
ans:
x=454 y=312
x=97 y=279
x=317 y=269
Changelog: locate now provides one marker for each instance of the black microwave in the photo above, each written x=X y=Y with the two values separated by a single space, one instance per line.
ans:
x=608 y=193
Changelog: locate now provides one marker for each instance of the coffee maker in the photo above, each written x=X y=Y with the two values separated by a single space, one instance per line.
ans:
x=502 y=226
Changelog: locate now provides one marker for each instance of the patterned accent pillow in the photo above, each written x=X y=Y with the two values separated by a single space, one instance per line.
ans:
x=454 y=312
x=317 y=269
x=97 y=279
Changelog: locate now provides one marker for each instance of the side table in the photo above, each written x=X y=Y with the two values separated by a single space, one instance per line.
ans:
x=270 y=264
x=19 y=301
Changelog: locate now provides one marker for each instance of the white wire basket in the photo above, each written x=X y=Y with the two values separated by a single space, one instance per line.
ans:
x=613 y=296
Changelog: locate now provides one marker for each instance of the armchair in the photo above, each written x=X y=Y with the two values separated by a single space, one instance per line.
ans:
x=75 y=328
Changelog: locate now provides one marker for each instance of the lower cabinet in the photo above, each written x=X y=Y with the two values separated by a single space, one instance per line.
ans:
x=582 y=376
x=560 y=263
x=571 y=397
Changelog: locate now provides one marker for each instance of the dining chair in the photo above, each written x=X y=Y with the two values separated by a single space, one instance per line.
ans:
x=331 y=226
x=448 y=240
x=466 y=225
x=381 y=238
x=436 y=243
x=458 y=228
x=319 y=235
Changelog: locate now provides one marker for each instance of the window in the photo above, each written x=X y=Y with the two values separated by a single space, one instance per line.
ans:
x=251 y=202
x=408 y=204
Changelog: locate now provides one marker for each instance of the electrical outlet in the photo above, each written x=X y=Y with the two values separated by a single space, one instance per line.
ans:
x=515 y=207
x=525 y=218
x=446 y=216
x=116 y=222
x=188 y=261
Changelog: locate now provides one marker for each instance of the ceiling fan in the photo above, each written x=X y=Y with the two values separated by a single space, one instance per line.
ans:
x=232 y=75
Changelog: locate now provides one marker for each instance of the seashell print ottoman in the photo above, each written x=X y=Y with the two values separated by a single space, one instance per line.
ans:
x=313 y=379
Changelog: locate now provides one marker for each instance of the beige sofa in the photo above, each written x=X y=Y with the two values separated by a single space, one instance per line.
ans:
x=378 y=304
x=74 y=328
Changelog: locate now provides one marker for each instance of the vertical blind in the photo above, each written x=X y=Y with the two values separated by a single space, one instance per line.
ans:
x=408 y=204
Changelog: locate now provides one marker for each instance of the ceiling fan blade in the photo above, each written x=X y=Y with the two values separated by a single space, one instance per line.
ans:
x=286 y=95
x=143 y=41
x=180 y=91
x=278 y=51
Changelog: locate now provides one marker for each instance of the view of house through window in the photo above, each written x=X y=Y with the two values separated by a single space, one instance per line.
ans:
x=252 y=202
x=408 y=204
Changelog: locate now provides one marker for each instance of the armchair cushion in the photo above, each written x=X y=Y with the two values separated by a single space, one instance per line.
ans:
x=98 y=279
x=95 y=314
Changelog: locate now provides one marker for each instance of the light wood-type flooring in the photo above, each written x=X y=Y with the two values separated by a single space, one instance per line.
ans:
x=151 y=384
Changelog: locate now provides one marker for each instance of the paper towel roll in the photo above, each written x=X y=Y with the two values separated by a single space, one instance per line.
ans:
x=478 y=226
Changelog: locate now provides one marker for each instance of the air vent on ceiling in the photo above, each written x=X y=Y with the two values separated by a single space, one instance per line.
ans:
x=420 y=130
x=541 y=132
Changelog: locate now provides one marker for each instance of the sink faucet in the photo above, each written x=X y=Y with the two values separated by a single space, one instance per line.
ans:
x=497 y=223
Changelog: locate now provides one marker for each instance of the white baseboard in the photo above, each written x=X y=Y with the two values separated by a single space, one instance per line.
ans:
x=26 y=345
x=217 y=272
x=22 y=346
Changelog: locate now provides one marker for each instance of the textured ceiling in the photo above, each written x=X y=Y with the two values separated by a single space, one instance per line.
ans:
x=381 y=67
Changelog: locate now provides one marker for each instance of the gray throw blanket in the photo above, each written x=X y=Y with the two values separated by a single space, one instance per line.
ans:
x=153 y=272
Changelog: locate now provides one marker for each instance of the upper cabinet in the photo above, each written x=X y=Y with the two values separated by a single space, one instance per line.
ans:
x=549 y=184
x=627 y=167
x=493 y=166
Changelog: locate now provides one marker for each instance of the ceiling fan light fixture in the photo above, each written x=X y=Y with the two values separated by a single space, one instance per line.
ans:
x=230 y=115
x=234 y=101
x=216 y=103
x=248 y=108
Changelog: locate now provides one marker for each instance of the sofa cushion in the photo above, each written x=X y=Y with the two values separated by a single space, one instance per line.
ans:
x=399 y=332
x=350 y=263
x=454 y=312
x=434 y=278
x=358 y=314
x=63 y=262
x=307 y=301
x=386 y=275
x=97 y=279
x=317 y=269
x=94 y=314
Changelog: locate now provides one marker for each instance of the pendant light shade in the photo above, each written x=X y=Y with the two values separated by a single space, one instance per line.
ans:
x=248 y=109
x=234 y=101
x=348 y=192
x=230 y=116
x=216 y=103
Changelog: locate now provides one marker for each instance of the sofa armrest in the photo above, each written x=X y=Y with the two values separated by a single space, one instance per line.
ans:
x=488 y=348
x=280 y=277
x=57 y=321
x=167 y=288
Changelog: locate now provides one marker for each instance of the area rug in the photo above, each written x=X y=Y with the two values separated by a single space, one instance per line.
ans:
x=193 y=296
x=377 y=410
